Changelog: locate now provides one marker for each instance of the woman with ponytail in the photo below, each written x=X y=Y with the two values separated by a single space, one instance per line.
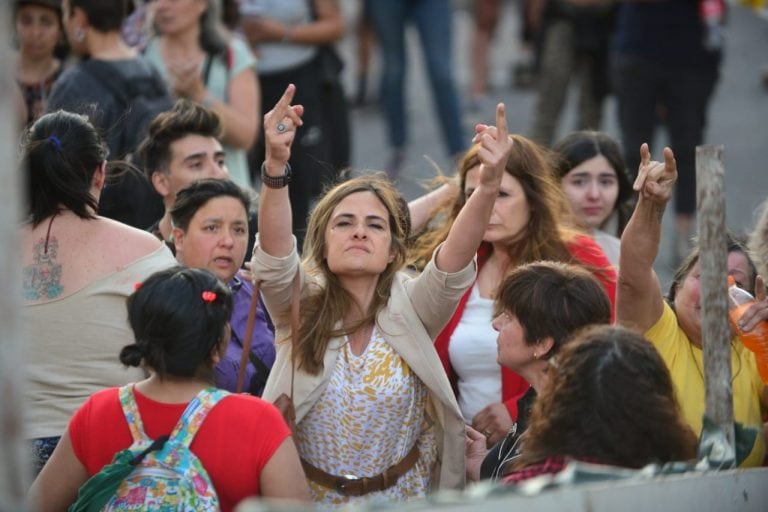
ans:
x=78 y=268
x=179 y=318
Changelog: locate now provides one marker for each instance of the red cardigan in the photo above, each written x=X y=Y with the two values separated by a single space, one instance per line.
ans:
x=513 y=386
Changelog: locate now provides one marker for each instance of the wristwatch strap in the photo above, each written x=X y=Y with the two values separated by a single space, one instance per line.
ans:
x=275 y=181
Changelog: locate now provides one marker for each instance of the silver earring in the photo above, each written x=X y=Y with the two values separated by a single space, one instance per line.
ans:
x=535 y=355
x=79 y=35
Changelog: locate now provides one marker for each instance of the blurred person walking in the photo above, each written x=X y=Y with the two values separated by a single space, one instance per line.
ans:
x=574 y=40
x=433 y=19
x=294 y=43
x=666 y=64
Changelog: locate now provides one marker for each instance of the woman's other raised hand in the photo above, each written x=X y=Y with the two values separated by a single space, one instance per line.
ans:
x=469 y=227
x=495 y=148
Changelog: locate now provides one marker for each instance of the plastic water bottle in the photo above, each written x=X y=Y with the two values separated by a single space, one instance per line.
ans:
x=755 y=340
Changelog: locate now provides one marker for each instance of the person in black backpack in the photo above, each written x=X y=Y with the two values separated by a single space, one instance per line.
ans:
x=241 y=447
x=120 y=92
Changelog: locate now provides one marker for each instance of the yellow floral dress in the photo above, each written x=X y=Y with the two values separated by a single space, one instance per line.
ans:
x=367 y=419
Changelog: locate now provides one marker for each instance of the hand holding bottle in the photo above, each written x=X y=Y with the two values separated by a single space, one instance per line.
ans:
x=749 y=318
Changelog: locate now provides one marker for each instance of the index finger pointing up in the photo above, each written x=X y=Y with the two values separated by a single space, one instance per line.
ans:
x=669 y=159
x=645 y=154
x=285 y=100
x=501 y=122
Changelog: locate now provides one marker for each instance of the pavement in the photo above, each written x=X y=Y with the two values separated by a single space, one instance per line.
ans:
x=738 y=115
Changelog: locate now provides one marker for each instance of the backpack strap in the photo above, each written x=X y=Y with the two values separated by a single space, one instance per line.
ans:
x=132 y=416
x=189 y=423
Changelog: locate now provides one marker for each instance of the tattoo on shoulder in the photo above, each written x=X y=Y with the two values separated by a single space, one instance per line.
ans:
x=42 y=279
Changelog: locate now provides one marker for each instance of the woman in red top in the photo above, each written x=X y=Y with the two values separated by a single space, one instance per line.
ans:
x=179 y=318
x=530 y=222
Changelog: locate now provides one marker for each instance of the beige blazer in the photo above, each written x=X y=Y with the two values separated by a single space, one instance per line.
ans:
x=417 y=310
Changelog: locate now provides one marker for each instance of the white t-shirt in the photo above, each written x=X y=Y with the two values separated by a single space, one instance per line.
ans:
x=473 y=352
x=610 y=246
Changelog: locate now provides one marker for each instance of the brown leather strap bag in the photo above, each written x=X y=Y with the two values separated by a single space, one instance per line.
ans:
x=284 y=403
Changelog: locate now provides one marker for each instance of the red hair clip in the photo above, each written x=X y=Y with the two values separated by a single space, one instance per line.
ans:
x=209 y=296
x=136 y=285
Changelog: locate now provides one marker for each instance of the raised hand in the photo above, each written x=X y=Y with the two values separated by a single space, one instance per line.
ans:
x=280 y=126
x=495 y=148
x=758 y=311
x=655 y=180
x=468 y=228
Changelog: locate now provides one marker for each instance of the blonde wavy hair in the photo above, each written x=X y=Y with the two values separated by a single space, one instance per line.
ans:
x=323 y=306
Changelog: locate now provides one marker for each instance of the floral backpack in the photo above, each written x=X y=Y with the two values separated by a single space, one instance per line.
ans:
x=161 y=475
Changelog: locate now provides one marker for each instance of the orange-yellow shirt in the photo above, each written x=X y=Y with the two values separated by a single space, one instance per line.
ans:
x=685 y=364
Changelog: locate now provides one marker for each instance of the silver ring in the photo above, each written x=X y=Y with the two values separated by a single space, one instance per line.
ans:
x=281 y=128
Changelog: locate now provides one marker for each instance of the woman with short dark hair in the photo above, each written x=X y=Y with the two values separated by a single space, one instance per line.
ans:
x=538 y=308
x=78 y=268
x=210 y=230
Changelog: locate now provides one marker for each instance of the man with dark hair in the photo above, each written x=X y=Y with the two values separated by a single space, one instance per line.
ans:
x=119 y=91
x=182 y=146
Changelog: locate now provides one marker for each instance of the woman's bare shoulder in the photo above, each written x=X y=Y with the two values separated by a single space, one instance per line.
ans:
x=130 y=242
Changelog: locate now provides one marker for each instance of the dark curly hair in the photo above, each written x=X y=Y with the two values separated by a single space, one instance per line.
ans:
x=609 y=398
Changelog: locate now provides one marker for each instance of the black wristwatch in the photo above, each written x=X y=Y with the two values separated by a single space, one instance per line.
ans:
x=275 y=181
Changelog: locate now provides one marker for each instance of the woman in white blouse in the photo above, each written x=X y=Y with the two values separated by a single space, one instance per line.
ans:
x=375 y=415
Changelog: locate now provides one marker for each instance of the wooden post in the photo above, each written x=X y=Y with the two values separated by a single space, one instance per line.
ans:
x=715 y=331
x=13 y=467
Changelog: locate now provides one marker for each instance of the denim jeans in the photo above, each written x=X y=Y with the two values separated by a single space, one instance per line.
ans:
x=432 y=19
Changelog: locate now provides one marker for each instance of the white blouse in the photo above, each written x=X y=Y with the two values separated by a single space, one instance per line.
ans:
x=473 y=353
x=368 y=418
